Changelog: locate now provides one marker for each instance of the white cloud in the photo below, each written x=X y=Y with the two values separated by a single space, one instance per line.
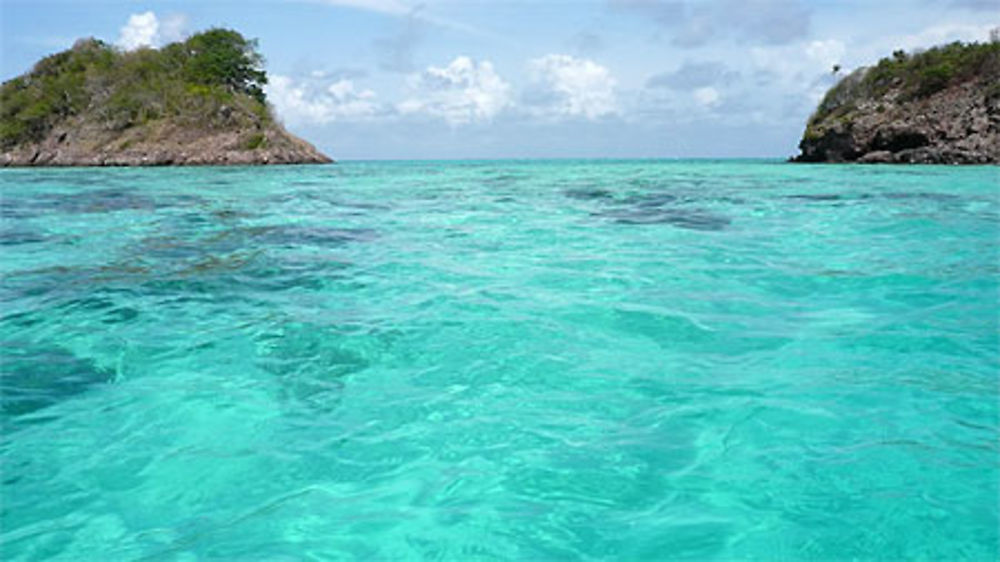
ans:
x=146 y=30
x=302 y=103
x=140 y=31
x=462 y=92
x=707 y=96
x=577 y=87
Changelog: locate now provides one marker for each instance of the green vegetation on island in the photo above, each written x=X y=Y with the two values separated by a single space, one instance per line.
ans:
x=915 y=76
x=213 y=82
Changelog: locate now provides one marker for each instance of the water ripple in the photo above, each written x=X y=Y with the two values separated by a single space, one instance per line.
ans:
x=520 y=360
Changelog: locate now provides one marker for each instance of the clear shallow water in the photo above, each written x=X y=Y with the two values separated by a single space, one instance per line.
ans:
x=501 y=360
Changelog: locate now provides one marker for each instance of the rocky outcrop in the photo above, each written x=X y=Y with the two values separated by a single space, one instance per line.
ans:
x=900 y=112
x=196 y=102
x=79 y=143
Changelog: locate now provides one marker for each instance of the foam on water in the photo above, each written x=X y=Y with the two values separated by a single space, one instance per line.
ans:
x=500 y=360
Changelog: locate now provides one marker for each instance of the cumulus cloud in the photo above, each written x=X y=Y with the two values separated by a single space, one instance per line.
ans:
x=463 y=92
x=573 y=87
x=774 y=84
x=140 y=31
x=305 y=102
x=147 y=30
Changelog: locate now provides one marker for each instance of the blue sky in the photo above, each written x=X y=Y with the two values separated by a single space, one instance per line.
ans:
x=372 y=79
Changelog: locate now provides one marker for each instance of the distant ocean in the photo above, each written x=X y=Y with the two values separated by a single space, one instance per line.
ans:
x=501 y=360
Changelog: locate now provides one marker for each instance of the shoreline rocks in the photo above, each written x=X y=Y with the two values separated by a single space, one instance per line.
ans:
x=172 y=146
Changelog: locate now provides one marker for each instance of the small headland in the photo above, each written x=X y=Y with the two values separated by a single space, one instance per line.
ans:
x=196 y=102
x=939 y=106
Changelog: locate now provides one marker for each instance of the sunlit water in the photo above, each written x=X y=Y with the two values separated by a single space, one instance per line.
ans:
x=501 y=360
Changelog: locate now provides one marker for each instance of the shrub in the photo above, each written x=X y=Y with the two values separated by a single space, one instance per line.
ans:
x=224 y=57
x=257 y=140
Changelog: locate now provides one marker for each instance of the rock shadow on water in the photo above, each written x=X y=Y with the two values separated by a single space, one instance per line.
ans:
x=38 y=376
x=312 y=361
x=922 y=195
x=682 y=218
x=229 y=240
x=96 y=201
x=298 y=235
x=93 y=201
x=231 y=263
x=63 y=284
x=17 y=208
x=252 y=258
x=589 y=194
x=100 y=304
x=15 y=237
x=649 y=209
x=499 y=178
x=654 y=200
x=915 y=196
x=817 y=197
x=668 y=208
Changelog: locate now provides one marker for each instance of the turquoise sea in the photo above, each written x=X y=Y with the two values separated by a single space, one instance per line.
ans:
x=501 y=360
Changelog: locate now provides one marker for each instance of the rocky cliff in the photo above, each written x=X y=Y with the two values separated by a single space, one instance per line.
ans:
x=198 y=102
x=78 y=142
x=940 y=106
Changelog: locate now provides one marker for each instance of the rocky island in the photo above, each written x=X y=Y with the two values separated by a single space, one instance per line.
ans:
x=196 y=102
x=940 y=106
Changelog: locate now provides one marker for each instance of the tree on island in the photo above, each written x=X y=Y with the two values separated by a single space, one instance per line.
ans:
x=223 y=57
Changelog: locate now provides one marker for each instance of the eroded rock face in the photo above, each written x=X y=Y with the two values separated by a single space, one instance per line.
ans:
x=955 y=126
x=82 y=144
x=870 y=119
